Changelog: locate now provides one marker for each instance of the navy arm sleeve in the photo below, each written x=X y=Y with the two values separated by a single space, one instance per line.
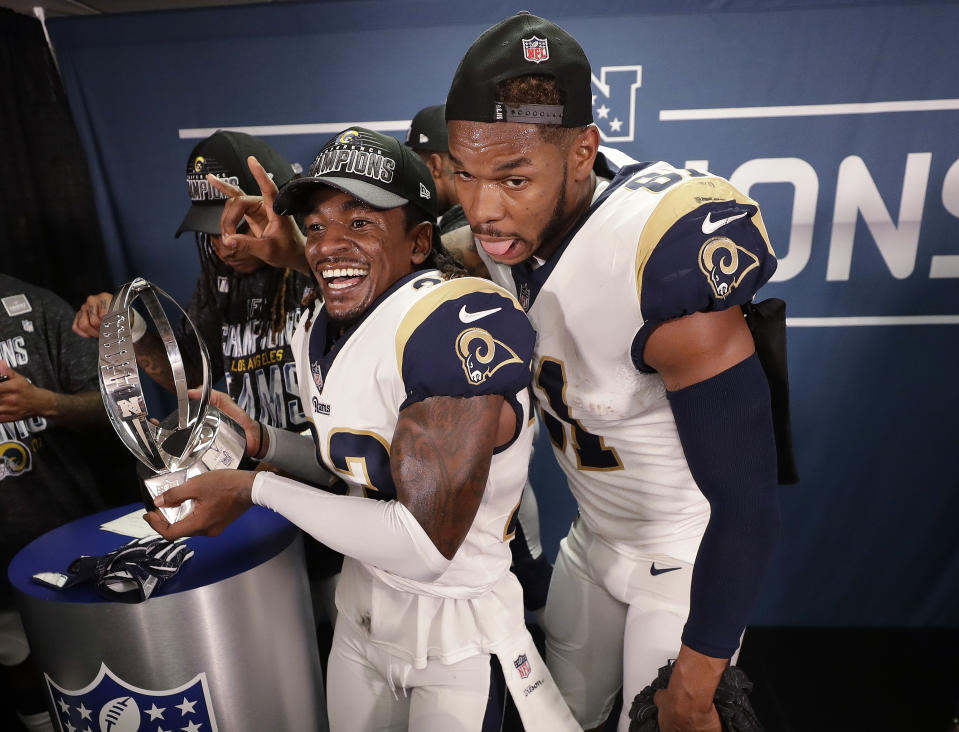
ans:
x=725 y=426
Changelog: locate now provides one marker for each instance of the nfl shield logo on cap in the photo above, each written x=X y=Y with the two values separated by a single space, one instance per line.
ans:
x=535 y=49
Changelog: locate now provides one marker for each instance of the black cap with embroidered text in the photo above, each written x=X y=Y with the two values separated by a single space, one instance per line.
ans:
x=375 y=168
x=428 y=130
x=519 y=46
x=224 y=154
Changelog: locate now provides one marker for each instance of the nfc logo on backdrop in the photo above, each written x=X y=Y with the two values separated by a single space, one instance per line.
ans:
x=614 y=102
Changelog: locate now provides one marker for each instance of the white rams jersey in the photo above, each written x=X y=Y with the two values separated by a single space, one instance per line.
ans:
x=657 y=243
x=426 y=336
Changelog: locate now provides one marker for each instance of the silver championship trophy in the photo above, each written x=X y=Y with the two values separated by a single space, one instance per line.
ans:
x=194 y=438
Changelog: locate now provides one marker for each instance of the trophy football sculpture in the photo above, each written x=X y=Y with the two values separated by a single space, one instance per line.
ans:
x=196 y=437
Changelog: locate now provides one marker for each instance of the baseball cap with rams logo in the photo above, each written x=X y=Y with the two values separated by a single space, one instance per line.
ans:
x=224 y=154
x=522 y=45
x=373 y=167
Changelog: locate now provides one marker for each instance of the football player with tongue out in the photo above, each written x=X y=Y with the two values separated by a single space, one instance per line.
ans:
x=636 y=277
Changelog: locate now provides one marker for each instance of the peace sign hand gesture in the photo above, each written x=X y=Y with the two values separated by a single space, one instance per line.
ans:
x=275 y=239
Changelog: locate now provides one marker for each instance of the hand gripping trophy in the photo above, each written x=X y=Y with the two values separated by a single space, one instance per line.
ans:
x=196 y=436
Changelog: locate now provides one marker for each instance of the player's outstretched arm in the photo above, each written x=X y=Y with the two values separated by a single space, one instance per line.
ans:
x=441 y=452
x=440 y=456
x=440 y=460
x=720 y=399
x=275 y=239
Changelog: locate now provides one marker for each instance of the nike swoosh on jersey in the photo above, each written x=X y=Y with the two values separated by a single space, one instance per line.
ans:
x=653 y=571
x=467 y=317
x=710 y=226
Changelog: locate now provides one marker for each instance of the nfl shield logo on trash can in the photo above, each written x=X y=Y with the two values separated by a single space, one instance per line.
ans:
x=117 y=706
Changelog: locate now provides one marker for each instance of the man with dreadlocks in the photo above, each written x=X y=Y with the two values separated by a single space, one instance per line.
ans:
x=244 y=310
x=416 y=381
x=636 y=277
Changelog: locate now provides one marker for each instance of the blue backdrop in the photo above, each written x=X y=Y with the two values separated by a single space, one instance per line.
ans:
x=839 y=118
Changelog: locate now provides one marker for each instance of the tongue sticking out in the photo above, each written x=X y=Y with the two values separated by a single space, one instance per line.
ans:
x=496 y=247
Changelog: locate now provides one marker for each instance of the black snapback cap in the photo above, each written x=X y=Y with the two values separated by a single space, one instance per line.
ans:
x=519 y=46
x=224 y=154
x=375 y=168
x=428 y=130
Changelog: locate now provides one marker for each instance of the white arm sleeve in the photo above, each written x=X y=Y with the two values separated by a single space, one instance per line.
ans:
x=382 y=533
x=295 y=453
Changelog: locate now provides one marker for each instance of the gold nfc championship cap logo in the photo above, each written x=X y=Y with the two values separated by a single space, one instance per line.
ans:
x=351 y=154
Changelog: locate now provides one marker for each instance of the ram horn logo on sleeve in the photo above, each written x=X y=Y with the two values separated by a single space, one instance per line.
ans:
x=725 y=264
x=482 y=355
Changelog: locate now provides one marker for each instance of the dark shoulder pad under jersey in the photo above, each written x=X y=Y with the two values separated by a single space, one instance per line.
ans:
x=703 y=249
x=466 y=337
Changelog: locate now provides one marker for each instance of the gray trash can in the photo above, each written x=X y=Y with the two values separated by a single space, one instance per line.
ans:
x=227 y=644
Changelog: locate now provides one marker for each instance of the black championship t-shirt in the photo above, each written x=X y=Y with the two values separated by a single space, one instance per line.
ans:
x=235 y=322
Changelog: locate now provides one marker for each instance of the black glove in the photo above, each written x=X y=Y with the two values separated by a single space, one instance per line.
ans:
x=130 y=573
x=731 y=700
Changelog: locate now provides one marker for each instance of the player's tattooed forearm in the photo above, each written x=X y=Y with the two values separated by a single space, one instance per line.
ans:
x=440 y=459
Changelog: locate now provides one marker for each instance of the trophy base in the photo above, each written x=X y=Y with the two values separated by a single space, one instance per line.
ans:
x=222 y=445
x=153 y=484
